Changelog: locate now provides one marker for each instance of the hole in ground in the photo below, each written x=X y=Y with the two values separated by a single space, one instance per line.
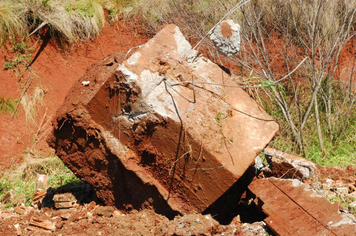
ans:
x=237 y=201
x=147 y=158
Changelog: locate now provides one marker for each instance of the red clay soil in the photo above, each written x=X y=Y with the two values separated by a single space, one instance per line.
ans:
x=56 y=71
x=91 y=219
x=345 y=175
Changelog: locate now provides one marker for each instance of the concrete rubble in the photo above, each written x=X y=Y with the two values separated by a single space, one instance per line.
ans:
x=151 y=129
x=226 y=37
x=64 y=201
x=284 y=165
x=293 y=208
x=93 y=219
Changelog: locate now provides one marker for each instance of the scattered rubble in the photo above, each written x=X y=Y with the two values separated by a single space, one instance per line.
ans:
x=92 y=219
x=151 y=130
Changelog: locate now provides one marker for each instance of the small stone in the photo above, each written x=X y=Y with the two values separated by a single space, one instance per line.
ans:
x=85 y=83
x=18 y=229
x=66 y=216
x=44 y=224
x=342 y=190
x=117 y=213
x=41 y=183
x=20 y=210
x=91 y=205
x=106 y=211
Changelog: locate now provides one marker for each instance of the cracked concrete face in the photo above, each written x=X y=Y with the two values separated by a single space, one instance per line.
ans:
x=141 y=135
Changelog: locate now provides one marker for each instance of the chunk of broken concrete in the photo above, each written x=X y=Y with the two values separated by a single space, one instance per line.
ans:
x=284 y=165
x=65 y=201
x=226 y=37
x=153 y=130
x=293 y=208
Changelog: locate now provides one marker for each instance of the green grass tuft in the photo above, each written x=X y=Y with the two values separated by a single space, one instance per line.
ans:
x=7 y=105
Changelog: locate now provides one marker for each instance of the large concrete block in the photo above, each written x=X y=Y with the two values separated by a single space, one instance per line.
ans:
x=140 y=134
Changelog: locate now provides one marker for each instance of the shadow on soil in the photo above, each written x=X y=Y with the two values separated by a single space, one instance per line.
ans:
x=83 y=192
x=237 y=201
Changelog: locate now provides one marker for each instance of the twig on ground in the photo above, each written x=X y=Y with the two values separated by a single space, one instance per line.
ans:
x=43 y=24
x=131 y=50
x=243 y=86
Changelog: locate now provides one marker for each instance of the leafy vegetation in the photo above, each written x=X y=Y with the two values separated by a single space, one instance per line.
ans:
x=21 y=59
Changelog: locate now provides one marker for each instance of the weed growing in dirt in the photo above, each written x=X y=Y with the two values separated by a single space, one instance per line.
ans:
x=22 y=58
x=219 y=118
x=344 y=203
x=7 y=105
x=18 y=186
x=195 y=18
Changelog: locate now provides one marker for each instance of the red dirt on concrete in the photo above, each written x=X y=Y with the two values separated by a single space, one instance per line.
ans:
x=56 y=71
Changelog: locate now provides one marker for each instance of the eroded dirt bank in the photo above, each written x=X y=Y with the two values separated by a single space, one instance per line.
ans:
x=54 y=73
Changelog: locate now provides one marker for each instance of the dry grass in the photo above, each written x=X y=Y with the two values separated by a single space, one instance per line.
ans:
x=71 y=20
x=195 y=18
x=12 y=23
x=68 y=20
x=30 y=102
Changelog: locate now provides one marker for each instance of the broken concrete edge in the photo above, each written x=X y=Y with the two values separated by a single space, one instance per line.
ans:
x=294 y=208
x=285 y=165
x=105 y=127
